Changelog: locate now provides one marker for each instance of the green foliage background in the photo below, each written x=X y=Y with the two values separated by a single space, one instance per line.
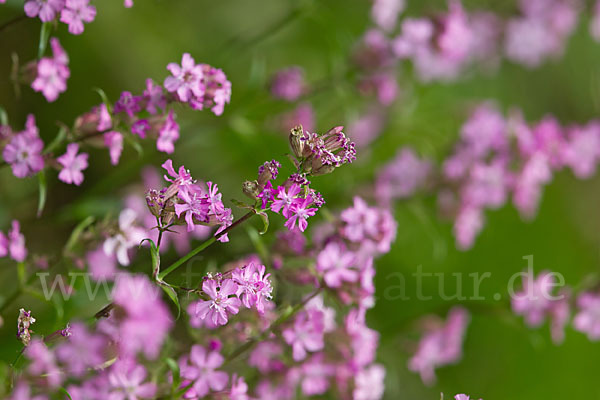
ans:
x=250 y=40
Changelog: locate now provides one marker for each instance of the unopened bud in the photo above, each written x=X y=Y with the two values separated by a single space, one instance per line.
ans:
x=296 y=143
x=251 y=189
x=155 y=202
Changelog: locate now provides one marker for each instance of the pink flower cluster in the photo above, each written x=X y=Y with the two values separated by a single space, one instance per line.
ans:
x=497 y=158
x=138 y=328
x=441 y=345
x=72 y=12
x=52 y=73
x=444 y=46
x=199 y=85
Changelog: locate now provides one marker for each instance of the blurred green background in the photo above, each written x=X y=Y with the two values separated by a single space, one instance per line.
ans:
x=250 y=40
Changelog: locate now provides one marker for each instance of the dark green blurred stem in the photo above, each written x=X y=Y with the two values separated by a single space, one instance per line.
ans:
x=278 y=322
x=12 y=22
x=203 y=246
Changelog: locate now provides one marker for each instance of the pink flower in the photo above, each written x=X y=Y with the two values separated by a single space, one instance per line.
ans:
x=288 y=84
x=201 y=369
x=467 y=226
x=195 y=206
x=369 y=383
x=440 y=346
x=285 y=199
x=336 y=264
x=3 y=245
x=129 y=104
x=360 y=220
x=300 y=213
x=385 y=13
x=154 y=97
x=75 y=13
x=23 y=391
x=239 y=388
x=462 y=397
x=46 y=9
x=43 y=362
x=222 y=301
x=316 y=374
x=140 y=127
x=126 y=382
x=16 y=243
x=73 y=164
x=168 y=134
x=49 y=79
x=535 y=299
x=144 y=325
x=266 y=357
x=24 y=151
x=587 y=319
x=254 y=286
x=180 y=178
x=583 y=150
x=128 y=3
x=81 y=350
x=101 y=266
x=114 y=141
x=306 y=334
x=186 y=79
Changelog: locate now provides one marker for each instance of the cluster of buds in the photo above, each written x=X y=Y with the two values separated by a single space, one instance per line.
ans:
x=23 y=324
x=321 y=154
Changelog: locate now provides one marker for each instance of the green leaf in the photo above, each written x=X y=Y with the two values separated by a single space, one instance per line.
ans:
x=3 y=117
x=265 y=219
x=64 y=391
x=44 y=37
x=77 y=231
x=172 y=295
x=241 y=204
x=104 y=98
x=134 y=143
x=172 y=364
x=60 y=137
x=155 y=258
x=43 y=192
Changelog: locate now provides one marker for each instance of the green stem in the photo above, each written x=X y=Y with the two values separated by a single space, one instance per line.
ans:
x=203 y=246
x=12 y=21
x=279 y=321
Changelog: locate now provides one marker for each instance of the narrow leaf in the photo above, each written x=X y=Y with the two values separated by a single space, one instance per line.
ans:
x=265 y=219
x=172 y=364
x=104 y=98
x=77 y=231
x=3 y=117
x=44 y=37
x=58 y=139
x=172 y=295
x=43 y=192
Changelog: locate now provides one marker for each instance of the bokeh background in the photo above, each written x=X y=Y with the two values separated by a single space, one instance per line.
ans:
x=250 y=40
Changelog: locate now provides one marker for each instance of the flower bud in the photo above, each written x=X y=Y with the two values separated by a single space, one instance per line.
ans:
x=296 y=142
x=251 y=189
x=155 y=202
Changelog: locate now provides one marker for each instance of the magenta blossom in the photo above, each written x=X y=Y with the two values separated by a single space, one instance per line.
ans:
x=168 y=134
x=73 y=165
x=49 y=79
x=254 y=286
x=337 y=265
x=201 y=369
x=154 y=97
x=306 y=334
x=186 y=80
x=285 y=199
x=24 y=151
x=195 y=206
x=369 y=383
x=113 y=140
x=127 y=382
x=587 y=319
x=46 y=9
x=222 y=301
x=299 y=213
x=82 y=350
x=43 y=362
x=16 y=243
x=75 y=13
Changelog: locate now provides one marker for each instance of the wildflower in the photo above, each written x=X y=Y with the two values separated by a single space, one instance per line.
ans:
x=81 y=351
x=587 y=319
x=114 y=141
x=186 y=79
x=3 y=245
x=23 y=324
x=16 y=243
x=254 y=286
x=129 y=104
x=266 y=357
x=306 y=334
x=535 y=299
x=22 y=390
x=128 y=237
x=140 y=127
x=200 y=368
x=288 y=84
x=467 y=225
x=583 y=151
x=43 y=362
x=180 y=178
x=24 y=151
x=440 y=346
x=144 y=325
x=369 y=383
x=300 y=213
x=127 y=382
x=216 y=93
x=154 y=97
x=221 y=301
x=285 y=199
x=316 y=373
x=195 y=206
x=50 y=79
x=335 y=263
x=75 y=13
x=239 y=388
x=168 y=134
x=73 y=164
x=385 y=13
x=46 y=9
